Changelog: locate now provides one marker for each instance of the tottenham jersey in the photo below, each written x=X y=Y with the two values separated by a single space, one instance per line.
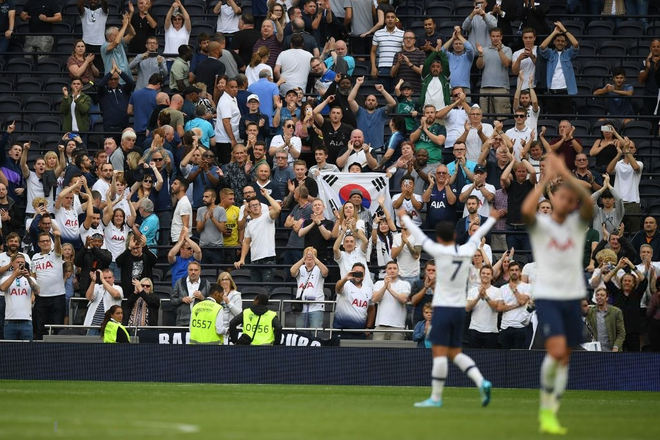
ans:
x=558 y=250
x=452 y=263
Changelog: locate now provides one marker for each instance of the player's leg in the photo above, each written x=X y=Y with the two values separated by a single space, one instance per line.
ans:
x=463 y=361
x=438 y=336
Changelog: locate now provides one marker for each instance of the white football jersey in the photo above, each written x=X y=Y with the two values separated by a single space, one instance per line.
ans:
x=558 y=250
x=452 y=264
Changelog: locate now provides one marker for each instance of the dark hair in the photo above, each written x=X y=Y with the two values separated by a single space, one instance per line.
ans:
x=247 y=18
x=607 y=194
x=322 y=147
x=514 y=263
x=106 y=318
x=473 y=197
x=155 y=79
x=183 y=49
x=358 y=264
x=618 y=71
x=528 y=30
x=183 y=182
x=445 y=231
x=215 y=287
x=203 y=36
x=297 y=41
x=79 y=159
x=399 y=123
x=495 y=29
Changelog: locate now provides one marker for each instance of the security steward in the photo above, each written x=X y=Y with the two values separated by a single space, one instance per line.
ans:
x=111 y=329
x=260 y=324
x=206 y=323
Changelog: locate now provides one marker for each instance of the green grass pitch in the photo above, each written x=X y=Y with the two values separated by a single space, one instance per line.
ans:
x=107 y=410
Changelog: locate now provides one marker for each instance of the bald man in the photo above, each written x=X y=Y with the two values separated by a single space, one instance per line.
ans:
x=207 y=70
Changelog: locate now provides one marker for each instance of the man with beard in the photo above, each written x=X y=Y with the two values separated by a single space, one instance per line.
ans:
x=10 y=213
x=92 y=224
x=340 y=88
x=419 y=169
x=515 y=296
x=10 y=167
x=430 y=135
x=371 y=119
x=317 y=230
x=435 y=81
x=264 y=182
x=356 y=151
x=211 y=220
x=472 y=218
x=12 y=245
x=336 y=133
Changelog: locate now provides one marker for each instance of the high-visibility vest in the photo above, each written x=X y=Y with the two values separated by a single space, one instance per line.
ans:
x=110 y=333
x=202 y=323
x=263 y=334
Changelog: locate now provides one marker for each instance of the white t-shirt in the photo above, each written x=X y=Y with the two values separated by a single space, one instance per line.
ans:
x=227 y=20
x=352 y=306
x=359 y=157
x=252 y=73
x=102 y=187
x=627 y=181
x=295 y=141
x=50 y=275
x=454 y=262
x=516 y=137
x=558 y=81
x=533 y=120
x=310 y=287
x=435 y=94
x=484 y=205
x=484 y=318
x=347 y=260
x=227 y=108
x=174 y=39
x=18 y=300
x=84 y=233
x=36 y=189
x=294 y=67
x=261 y=232
x=408 y=266
x=558 y=250
x=516 y=317
x=391 y=312
x=527 y=66
x=455 y=125
x=473 y=142
x=67 y=221
x=183 y=207
x=93 y=25
x=5 y=260
x=410 y=209
x=115 y=239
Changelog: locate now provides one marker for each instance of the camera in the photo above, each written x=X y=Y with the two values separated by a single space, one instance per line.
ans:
x=380 y=212
x=605 y=129
x=357 y=274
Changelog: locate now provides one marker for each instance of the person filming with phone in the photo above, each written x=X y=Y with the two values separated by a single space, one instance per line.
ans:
x=19 y=289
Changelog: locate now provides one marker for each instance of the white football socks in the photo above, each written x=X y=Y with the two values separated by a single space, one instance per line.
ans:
x=467 y=366
x=438 y=377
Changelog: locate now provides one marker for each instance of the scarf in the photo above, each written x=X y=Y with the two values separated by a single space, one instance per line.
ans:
x=139 y=314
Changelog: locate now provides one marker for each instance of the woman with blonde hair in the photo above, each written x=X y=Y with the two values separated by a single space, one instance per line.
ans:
x=347 y=219
x=206 y=99
x=143 y=303
x=257 y=64
x=232 y=303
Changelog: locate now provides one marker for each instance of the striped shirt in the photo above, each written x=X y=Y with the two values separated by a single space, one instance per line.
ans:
x=389 y=43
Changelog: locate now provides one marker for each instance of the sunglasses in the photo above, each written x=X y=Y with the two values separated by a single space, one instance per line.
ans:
x=208 y=156
x=146 y=285
x=148 y=181
x=157 y=159
x=441 y=173
x=455 y=95
x=288 y=126
x=520 y=116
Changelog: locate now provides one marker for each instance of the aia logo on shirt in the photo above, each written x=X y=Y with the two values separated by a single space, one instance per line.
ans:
x=71 y=223
x=18 y=291
x=118 y=238
x=567 y=245
x=360 y=303
x=45 y=265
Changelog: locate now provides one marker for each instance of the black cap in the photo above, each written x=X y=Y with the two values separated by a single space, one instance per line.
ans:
x=479 y=169
x=406 y=85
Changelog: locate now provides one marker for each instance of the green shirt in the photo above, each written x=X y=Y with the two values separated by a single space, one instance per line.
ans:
x=405 y=108
x=425 y=143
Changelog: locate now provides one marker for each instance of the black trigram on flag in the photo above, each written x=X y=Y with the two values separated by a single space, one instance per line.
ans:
x=330 y=179
x=378 y=183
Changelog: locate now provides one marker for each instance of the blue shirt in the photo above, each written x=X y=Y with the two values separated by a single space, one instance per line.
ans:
x=118 y=54
x=208 y=131
x=265 y=90
x=149 y=228
x=460 y=65
x=372 y=125
x=196 y=59
x=144 y=102
x=349 y=60
x=468 y=163
x=201 y=183
x=180 y=268
x=553 y=57
x=280 y=178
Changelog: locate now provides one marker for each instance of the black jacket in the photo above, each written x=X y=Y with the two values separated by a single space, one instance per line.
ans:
x=88 y=259
x=153 y=304
x=125 y=263
x=639 y=239
x=257 y=309
x=17 y=218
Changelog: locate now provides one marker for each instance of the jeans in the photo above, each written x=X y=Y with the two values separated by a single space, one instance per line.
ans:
x=94 y=332
x=385 y=79
x=263 y=274
x=212 y=256
x=20 y=330
x=519 y=239
x=4 y=45
x=2 y=317
x=310 y=320
x=48 y=310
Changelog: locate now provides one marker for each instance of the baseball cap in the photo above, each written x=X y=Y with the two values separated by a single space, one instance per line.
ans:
x=406 y=85
x=191 y=89
x=294 y=91
x=479 y=169
x=253 y=96
x=355 y=192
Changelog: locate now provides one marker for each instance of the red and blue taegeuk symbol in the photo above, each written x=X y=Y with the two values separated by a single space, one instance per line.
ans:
x=345 y=191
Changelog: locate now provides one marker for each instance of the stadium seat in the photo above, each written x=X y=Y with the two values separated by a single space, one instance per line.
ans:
x=587 y=49
x=23 y=122
x=65 y=45
x=600 y=28
x=55 y=84
x=19 y=65
x=463 y=9
x=613 y=48
x=62 y=28
x=596 y=69
x=649 y=188
x=637 y=128
x=6 y=86
x=37 y=103
x=201 y=26
x=595 y=127
x=653 y=29
x=250 y=292
x=447 y=27
x=10 y=104
x=440 y=10
x=49 y=65
x=630 y=28
x=640 y=48
x=48 y=124
x=575 y=27
x=28 y=84
x=582 y=127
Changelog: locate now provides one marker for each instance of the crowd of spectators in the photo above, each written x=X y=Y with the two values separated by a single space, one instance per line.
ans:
x=214 y=144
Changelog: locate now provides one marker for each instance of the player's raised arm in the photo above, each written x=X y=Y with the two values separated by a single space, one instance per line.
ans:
x=484 y=229
x=584 y=197
x=427 y=244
